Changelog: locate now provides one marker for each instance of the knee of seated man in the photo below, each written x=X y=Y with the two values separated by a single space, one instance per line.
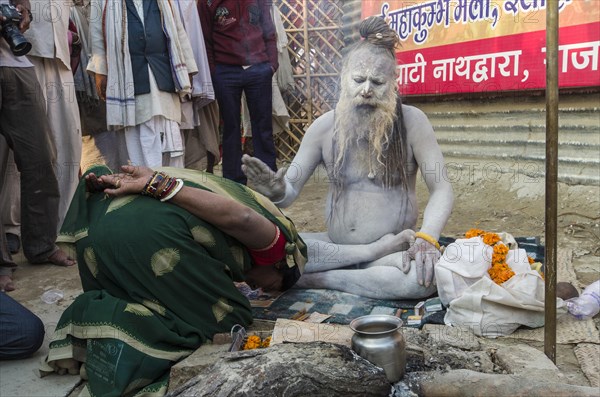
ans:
x=26 y=337
x=406 y=285
x=33 y=334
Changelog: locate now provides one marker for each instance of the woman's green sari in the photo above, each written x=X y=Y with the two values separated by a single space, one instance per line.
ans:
x=157 y=281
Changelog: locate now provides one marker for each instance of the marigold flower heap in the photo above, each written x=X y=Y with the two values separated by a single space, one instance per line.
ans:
x=255 y=342
x=500 y=271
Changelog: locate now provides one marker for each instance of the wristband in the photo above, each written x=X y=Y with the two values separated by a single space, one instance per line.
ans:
x=174 y=190
x=428 y=238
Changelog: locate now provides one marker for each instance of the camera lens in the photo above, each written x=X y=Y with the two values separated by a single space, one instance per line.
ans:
x=17 y=42
x=21 y=48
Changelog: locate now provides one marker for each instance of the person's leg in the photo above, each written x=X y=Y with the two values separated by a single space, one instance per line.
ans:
x=380 y=276
x=25 y=128
x=210 y=137
x=10 y=199
x=144 y=143
x=21 y=331
x=259 y=94
x=63 y=117
x=203 y=140
x=173 y=147
x=228 y=90
x=7 y=265
x=377 y=282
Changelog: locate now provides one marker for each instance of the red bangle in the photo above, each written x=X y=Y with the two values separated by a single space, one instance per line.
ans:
x=271 y=254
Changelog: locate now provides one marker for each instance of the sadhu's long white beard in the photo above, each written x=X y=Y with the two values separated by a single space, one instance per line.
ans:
x=373 y=124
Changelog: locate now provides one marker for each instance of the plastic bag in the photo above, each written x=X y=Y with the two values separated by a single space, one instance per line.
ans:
x=586 y=305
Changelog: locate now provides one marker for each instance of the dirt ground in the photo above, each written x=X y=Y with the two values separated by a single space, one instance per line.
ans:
x=512 y=203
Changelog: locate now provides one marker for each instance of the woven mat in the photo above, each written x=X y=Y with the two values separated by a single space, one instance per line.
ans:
x=341 y=306
x=564 y=268
x=568 y=329
x=588 y=355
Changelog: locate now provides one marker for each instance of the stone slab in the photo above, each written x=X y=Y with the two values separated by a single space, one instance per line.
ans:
x=299 y=331
x=528 y=361
x=456 y=336
x=21 y=379
x=195 y=363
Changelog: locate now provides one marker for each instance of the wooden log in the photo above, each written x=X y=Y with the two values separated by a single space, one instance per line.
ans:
x=466 y=383
x=289 y=369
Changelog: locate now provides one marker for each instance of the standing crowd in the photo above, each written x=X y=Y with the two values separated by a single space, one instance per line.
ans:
x=148 y=83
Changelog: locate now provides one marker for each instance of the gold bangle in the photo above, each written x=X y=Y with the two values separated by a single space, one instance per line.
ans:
x=428 y=238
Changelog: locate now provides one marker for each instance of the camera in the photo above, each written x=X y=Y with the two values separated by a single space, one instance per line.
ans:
x=10 y=30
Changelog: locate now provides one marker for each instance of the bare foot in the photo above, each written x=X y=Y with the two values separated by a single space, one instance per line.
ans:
x=67 y=366
x=6 y=284
x=60 y=258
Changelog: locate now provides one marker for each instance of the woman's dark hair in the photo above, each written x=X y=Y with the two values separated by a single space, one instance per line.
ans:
x=290 y=275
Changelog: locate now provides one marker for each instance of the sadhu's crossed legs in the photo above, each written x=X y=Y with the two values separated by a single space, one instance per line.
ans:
x=379 y=270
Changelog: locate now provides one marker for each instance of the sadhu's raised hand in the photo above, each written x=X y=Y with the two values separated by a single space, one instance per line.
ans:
x=263 y=179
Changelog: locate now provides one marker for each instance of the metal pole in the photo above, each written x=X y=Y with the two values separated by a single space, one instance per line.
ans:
x=551 y=176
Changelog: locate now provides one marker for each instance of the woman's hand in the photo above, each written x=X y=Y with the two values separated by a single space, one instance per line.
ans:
x=131 y=181
x=93 y=184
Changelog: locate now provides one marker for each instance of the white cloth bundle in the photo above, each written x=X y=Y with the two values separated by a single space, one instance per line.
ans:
x=476 y=301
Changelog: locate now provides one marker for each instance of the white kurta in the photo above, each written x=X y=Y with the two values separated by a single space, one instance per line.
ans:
x=156 y=139
x=50 y=56
x=188 y=12
x=203 y=92
x=200 y=121
x=85 y=85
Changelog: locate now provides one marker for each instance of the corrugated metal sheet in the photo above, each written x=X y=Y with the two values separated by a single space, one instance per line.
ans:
x=508 y=135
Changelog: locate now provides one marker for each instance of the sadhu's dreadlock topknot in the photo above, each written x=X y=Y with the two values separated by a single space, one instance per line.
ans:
x=377 y=32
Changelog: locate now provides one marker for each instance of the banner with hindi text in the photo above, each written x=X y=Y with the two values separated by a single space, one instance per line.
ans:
x=462 y=46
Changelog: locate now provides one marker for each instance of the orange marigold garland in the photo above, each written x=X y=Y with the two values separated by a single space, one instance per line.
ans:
x=255 y=342
x=500 y=271
x=490 y=238
x=266 y=342
x=474 y=233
